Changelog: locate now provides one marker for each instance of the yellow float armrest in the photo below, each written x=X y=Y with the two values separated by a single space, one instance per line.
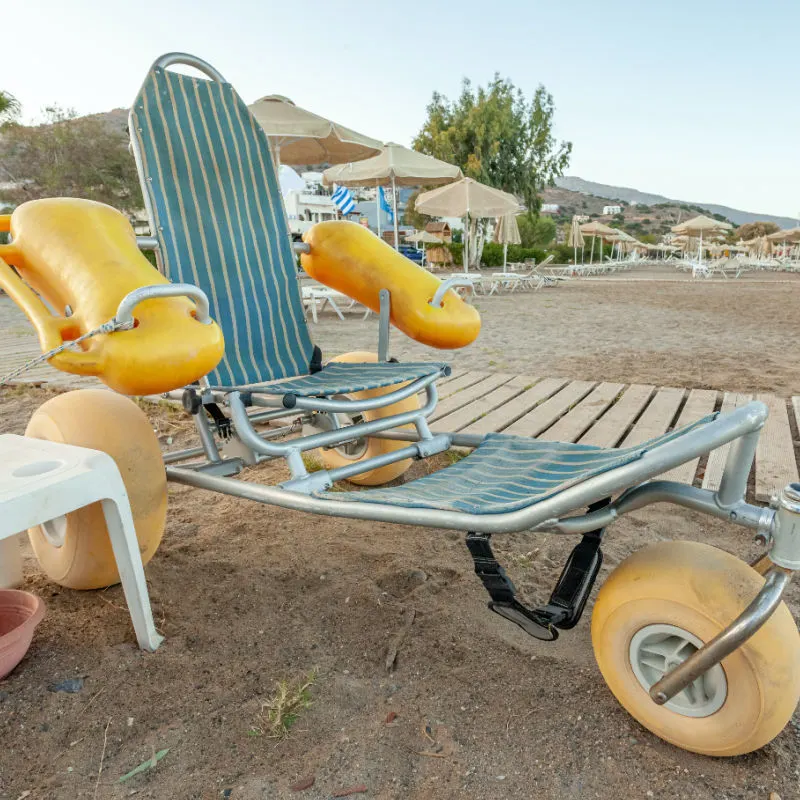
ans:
x=48 y=328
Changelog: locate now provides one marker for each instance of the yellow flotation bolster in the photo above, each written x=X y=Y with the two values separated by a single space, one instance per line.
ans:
x=83 y=255
x=349 y=258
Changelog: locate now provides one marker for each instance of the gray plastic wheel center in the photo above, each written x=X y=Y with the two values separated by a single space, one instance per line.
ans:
x=656 y=649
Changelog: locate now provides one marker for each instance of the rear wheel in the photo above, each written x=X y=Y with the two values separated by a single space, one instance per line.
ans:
x=363 y=449
x=662 y=604
x=74 y=550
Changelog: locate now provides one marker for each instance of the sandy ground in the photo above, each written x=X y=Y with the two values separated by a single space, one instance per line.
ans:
x=248 y=595
x=675 y=331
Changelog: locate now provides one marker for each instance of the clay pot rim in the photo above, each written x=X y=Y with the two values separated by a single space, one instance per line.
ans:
x=16 y=598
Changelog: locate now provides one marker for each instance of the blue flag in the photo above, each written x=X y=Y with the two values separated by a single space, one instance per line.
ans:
x=385 y=204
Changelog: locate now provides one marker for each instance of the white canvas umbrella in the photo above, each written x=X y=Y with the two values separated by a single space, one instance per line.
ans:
x=423 y=238
x=575 y=238
x=298 y=136
x=595 y=230
x=697 y=226
x=467 y=198
x=396 y=166
x=506 y=232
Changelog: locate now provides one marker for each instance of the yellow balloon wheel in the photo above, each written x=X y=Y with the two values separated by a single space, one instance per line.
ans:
x=74 y=550
x=660 y=605
x=364 y=449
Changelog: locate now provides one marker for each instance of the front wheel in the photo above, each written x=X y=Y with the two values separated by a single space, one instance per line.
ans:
x=662 y=604
x=360 y=450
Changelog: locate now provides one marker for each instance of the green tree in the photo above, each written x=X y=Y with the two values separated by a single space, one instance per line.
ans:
x=750 y=230
x=536 y=231
x=9 y=106
x=69 y=156
x=413 y=217
x=497 y=137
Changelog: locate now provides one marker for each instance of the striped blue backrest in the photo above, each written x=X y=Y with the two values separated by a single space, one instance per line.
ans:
x=220 y=221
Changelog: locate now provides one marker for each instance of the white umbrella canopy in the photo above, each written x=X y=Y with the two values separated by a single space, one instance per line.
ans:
x=397 y=166
x=298 y=136
x=597 y=229
x=697 y=226
x=423 y=237
x=575 y=238
x=467 y=198
x=506 y=232
x=701 y=224
x=395 y=163
x=792 y=235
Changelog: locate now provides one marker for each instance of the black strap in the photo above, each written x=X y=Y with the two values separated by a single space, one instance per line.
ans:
x=223 y=424
x=502 y=591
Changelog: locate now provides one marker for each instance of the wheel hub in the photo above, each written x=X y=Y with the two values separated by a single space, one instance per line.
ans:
x=657 y=649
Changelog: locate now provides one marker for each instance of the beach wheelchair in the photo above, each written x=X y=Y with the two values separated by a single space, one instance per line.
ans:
x=697 y=645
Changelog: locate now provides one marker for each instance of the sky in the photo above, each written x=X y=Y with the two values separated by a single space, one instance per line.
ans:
x=693 y=100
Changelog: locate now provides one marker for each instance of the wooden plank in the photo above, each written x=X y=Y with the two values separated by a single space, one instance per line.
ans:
x=611 y=427
x=501 y=417
x=483 y=405
x=657 y=417
x=454 y=373
x=466 y=396
x=699 y=404
x=544 y=415
x=576 y=422
x=775 y=462
x=466 y=380
x=716 y=459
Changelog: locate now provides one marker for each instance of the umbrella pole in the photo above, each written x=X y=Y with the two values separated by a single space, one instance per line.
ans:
x=505 y=255
x=465 y=243
x=394 y=208
x=378 y=206
x=591 y=255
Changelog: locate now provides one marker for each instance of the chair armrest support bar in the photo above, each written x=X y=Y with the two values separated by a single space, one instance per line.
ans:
x=132 y=299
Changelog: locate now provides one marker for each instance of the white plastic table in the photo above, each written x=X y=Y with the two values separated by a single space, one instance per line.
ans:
x=41 y=481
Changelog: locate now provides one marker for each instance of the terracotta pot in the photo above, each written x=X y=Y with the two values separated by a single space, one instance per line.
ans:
x=20 y=613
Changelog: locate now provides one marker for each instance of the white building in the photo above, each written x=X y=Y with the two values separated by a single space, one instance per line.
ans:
x=308 y=203
x=550 y=208
x=609 y=211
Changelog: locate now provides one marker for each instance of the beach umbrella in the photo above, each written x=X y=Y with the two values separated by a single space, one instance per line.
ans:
x=423 y=238
x=467 y=198
x=597 y=229
x=298 y=136
x=395 y=166
x=789 y=236
x=697 y=226
x=506 y=232
x=575 y=237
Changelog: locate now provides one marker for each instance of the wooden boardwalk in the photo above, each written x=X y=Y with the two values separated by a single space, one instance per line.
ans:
x=616 y=415
x=557 y=409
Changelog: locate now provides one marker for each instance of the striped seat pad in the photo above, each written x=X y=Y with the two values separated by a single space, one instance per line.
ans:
x=219 y=219
x=507 y=473
x=345 y=378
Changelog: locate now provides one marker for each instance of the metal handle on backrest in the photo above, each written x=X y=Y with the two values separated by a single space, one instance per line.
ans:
x=168 y=59
x=438 y=297
x=132 y=299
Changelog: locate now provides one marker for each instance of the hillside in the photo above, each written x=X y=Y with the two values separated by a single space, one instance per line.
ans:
x=638 y=220
x=735 y=215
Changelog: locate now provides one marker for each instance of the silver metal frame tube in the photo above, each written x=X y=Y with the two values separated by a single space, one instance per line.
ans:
x=168 y=59
x=547 y=514
x=741 y=455
x=385 y=301
x=343 y=406
x=445 y=286
x=132 y=299
x=248 y=435
x=725 y=642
